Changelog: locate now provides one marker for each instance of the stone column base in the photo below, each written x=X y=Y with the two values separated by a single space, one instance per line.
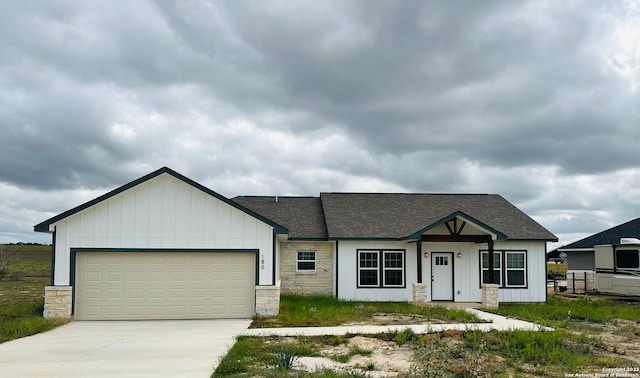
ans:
x=420 y=293
x=490 y=297
x=57 y=302
x=268 y=300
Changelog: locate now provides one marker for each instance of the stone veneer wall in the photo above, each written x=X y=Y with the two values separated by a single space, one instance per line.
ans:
x=268 y=300
x=420 y=293
x=320 y=282
x=490 y=297
x=57 y=302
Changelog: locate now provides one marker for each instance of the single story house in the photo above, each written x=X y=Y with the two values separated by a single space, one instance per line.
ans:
x=581 y=253
x=167 y=247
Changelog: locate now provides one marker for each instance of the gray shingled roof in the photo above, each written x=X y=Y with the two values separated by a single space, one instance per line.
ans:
x=390 y=216
x=371 y=215
x=630 y=229
x=303 y=214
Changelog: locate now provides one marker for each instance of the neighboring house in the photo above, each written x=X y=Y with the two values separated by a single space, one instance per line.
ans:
x=166 y=247
x=581 y=255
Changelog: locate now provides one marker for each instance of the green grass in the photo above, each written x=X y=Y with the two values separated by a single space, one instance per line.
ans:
x=318 y=311
x=22 y=301
x=251 y=354
x=561 y=312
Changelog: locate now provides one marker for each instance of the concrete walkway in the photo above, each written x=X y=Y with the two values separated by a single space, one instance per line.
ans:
x=153 y=348
x=498 y=322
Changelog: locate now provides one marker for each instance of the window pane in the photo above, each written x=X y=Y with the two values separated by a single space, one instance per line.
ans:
x=393 y=260
x=515 y=278
x=485 y=259
x=627 y=259
x=368 y=278
x=307 y=255
x=393 y=278
x=515 y=260
x=368 y=259
x=496 y=276
x=306 y=265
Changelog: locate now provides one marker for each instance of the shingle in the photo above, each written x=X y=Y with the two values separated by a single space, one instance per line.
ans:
x=303 y=216
x=390 y=215
x=630 y=229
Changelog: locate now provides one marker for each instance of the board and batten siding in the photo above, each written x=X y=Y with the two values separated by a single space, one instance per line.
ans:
x=165 y=213
x=467 y=270
x=348 y=273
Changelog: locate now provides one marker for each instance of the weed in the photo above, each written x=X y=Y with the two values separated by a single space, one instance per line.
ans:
x=285 y=360
x=345 y=357
x=404 y=336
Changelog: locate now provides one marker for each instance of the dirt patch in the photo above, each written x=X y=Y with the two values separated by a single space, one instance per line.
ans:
x=383 y=358
x=621 y=338
x=397 y=319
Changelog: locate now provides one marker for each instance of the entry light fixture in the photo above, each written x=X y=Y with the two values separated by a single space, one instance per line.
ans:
x=459 y=255
x=426 y=255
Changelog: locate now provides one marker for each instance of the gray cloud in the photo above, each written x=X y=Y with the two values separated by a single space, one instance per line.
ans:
x=535 y=100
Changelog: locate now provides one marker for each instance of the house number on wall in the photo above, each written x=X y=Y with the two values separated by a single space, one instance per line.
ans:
x=262 y=262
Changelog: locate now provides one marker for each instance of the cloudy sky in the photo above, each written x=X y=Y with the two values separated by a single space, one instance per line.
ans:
x=536 y=100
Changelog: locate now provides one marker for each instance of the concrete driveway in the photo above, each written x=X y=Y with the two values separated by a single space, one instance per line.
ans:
x=157 y=348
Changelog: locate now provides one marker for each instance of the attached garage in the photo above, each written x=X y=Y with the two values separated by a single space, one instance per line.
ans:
x=162 y=247
x=164 y=285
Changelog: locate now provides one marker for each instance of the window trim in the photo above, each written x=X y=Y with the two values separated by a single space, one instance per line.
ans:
x=498 y=270
x=503 y=267
x=617 y=258
x=314 y=261
x=507 y=269
x=380 y=269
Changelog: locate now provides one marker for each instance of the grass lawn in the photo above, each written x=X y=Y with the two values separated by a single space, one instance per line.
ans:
x=320 y=311
x=574 y=313
x=22 y=292
x=584 y=341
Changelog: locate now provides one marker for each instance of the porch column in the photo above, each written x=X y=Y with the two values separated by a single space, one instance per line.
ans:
x=419 y=262
x=491 y=280
x=490 y=297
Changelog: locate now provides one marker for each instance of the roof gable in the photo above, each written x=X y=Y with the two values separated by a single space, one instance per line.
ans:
x=630 y=229
x=44 y=226
x=460 y=215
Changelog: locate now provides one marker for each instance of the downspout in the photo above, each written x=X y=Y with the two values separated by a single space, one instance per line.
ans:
x=419 y=258
x=491 y=278
x=337 y=270
x=546 y=292
x=273 y=259
x=53 y=257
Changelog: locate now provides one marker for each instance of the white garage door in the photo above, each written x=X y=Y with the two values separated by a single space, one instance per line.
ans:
x=164 y=285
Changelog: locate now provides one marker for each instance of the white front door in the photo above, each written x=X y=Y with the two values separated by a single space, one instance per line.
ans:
x=442 y=276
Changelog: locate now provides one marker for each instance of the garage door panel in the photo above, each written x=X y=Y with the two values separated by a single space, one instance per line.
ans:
x=164 y=285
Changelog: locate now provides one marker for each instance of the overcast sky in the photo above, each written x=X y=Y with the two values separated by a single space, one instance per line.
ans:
x=538 y=101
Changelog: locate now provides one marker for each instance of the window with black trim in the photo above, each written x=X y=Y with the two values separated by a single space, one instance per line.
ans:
x=627 y=259
x=306 y=262
x=381 y=268
x=509 y=268
x=497 y=268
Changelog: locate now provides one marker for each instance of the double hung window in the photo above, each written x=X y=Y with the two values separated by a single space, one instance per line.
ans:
x=509 y=268
x=306 y=262
x=381 y=268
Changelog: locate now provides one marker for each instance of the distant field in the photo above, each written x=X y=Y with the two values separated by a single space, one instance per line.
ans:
x=22 y=291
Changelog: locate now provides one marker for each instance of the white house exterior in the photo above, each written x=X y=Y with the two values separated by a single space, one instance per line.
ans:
x=166 y=247
x=161 y=247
